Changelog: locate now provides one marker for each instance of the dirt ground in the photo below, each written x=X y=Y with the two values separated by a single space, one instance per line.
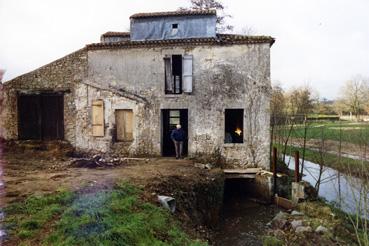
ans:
x=29 y=171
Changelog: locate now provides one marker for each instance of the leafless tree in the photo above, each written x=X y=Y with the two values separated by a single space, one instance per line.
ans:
x=248 y=30
x=2 y=72
x=222 y=25
x=354 y=94
x=300 y=101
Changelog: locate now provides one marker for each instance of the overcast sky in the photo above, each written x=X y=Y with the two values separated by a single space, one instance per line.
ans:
x=318 y=42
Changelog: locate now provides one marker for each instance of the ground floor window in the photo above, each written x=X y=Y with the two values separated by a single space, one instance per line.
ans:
x=233 y=126
x=124 y=124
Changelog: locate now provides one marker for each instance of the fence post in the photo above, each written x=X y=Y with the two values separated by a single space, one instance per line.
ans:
x=274 y=167
x=297 y=166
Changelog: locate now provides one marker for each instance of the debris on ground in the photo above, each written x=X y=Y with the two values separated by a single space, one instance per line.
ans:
x=168 y=203
x=98 y=161
x=312 y=223
x=207 y=166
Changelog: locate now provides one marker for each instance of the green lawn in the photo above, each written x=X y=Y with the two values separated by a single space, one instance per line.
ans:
x=106 y=217
x=357 y=133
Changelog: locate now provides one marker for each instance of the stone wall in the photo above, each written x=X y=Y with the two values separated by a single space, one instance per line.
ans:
x=60 y=75
x=224 y=77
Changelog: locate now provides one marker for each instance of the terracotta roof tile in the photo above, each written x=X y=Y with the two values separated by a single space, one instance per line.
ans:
x=221 y=39
x=174 y=13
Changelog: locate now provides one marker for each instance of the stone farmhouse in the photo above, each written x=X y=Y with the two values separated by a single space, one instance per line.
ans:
x=125 y=94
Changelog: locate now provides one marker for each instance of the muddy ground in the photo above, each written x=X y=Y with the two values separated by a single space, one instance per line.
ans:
x=28 y=170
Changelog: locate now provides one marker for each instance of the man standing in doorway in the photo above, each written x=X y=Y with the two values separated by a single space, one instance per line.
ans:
x=178 y=136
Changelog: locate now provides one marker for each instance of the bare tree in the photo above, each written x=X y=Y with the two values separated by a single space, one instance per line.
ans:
x=300 y=101
x=339 y=107
x=354 y=94
x=277 y=104
x=2 y=72
x=222 y=25
x=248 y=30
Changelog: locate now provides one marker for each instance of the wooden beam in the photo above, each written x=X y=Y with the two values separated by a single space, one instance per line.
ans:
x=242 y=171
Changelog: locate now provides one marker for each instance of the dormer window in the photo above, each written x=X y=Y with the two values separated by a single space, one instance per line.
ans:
x=178 y=74
x=174 y=29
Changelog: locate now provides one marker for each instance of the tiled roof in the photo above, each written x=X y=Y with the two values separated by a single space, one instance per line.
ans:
x=221 y=39
x=174 y=13
x=116 y=34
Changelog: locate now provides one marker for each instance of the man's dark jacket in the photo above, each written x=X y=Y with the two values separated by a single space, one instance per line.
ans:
x=178 y=135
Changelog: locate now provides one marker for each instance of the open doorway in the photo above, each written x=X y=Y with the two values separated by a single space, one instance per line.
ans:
x=41 y=116
x=171 y=118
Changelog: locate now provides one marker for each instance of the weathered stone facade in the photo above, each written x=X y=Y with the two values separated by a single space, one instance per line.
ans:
x=61 y=75
x=130 y=75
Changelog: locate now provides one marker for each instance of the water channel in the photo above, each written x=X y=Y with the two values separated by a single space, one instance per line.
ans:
x=345 y=191
x=245 y=221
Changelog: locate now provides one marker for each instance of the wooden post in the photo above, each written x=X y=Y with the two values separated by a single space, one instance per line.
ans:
x=297 y=166
x=274 y=167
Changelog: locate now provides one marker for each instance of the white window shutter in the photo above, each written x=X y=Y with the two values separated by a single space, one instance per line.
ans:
x=187 y=73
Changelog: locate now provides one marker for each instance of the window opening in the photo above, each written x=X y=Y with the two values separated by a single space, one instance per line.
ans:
x=233 y=126
x=173 y=74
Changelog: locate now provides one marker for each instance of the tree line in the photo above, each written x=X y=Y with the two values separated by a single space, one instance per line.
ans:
x=304 y=101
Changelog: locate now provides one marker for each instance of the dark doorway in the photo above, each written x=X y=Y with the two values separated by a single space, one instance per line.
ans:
x=170 y=118
x=41 y=116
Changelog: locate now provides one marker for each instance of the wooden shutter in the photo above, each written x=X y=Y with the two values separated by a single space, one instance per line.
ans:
x=124 y=124
x=168 y=74
x=98 y=118
x=187 y=73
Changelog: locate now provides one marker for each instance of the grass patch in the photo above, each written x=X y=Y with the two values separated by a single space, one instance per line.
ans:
x=25 y=220
x=105 y=217
x=356 y=133
x=272 y=241
x=346 y=165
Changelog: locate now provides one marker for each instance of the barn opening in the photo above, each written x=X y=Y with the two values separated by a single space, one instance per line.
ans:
x=41 y=116
x=233 y=126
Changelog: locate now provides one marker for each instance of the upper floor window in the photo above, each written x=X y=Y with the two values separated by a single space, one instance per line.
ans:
x=178 y=74
x=173 y=74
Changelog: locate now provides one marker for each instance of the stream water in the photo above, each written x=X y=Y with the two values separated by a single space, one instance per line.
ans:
x=345 y=191
x=244 y=221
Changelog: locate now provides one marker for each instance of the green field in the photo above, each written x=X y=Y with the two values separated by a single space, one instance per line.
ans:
x=357 y=133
